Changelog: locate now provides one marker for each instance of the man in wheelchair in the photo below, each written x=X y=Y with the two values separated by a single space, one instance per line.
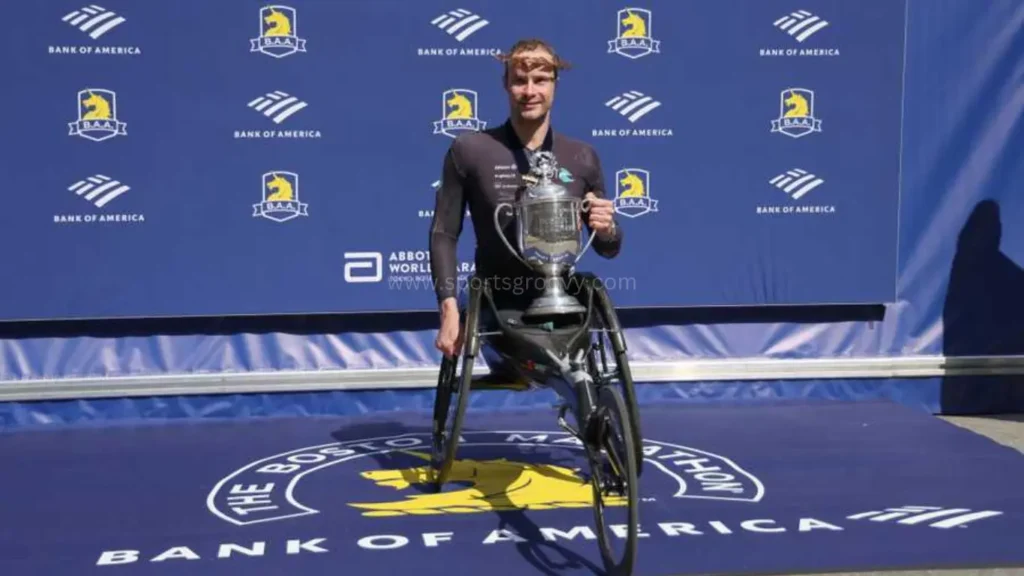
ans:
x=485 y=168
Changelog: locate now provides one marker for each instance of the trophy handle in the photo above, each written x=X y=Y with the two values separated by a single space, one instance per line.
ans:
x=585 y=207
x=497 y=227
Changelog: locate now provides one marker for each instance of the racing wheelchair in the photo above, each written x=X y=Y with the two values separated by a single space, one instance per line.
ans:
x=568 y=354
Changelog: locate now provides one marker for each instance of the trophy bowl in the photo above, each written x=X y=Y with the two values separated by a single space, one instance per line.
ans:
x=548 y=227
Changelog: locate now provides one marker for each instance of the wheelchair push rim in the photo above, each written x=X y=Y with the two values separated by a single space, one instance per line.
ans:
x=614 y=480
x=450 y=401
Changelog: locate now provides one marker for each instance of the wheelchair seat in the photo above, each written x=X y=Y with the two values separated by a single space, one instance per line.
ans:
x=516 y=348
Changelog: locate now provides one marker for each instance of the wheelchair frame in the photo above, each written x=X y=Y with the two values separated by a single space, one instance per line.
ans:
x=607 y=417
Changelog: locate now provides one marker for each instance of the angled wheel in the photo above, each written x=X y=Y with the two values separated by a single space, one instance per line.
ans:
x=619 y=372
x=615 y=484
x=450 y=403
x=452 y=397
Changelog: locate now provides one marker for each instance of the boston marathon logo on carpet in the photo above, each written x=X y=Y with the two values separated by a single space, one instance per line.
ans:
x=454 y=31
x=278 y=32
x=500 y=471
x=93 y=27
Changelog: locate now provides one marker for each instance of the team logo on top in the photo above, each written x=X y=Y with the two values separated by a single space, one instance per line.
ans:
x=633 y=37
x=278 y=32
x=458 y=113
x=796 y=113
x=633 y=193
x=97 y=116
x=280 y=198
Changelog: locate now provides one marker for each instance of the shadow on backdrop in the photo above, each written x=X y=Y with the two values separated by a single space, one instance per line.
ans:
x=983 y=315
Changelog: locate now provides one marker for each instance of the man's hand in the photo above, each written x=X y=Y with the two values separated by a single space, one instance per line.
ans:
x=601 y=215
x=449 y=337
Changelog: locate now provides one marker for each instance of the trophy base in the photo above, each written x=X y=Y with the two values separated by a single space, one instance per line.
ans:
x=553 y=302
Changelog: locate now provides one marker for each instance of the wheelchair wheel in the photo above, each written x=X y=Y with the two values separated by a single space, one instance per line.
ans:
x=599 y=369
x=452 y=397
x=614 y=481
x=450 y=403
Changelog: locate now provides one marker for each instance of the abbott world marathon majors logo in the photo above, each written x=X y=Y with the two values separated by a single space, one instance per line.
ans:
x=455 y=33
x=411 y=268
x=93 y=30
x=800 y=34
x=499 y=471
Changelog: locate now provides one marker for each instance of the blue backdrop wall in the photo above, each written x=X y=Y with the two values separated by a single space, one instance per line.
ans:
x=813 y=179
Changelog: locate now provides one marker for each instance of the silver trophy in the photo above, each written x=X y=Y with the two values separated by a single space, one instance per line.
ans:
x=549 y=222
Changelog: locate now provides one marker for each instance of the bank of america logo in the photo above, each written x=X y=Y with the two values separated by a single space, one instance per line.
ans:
x=98 y=189
x=277 y=105
x=932 y=516
x=796 y=182
x=800 y=24
x=93 y=20
x=632 y=105
x=459 y=23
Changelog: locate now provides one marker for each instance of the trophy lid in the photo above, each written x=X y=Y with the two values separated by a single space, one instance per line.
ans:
x=544 y=167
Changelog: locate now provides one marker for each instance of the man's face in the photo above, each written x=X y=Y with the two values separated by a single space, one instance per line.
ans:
x=531 y=84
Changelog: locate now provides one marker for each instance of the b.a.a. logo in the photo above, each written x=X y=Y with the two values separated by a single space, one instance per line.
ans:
x=97 y=116
x=278 y=32
x=459 y=113
x=633 y=193
x=492 y=485
x=496 y=472
x=280 y=197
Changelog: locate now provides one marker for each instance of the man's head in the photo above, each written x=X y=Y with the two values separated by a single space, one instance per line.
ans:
x=531 y=70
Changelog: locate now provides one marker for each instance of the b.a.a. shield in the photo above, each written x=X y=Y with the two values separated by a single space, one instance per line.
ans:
x=280 y=197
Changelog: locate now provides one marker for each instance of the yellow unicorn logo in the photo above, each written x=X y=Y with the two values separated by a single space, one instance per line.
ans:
x=282 y=190
x=462 y=107
x=98 y=107
x=632 y=186
x=277 y=24
x=634 y=26
x=798 y=106
x=494 y=485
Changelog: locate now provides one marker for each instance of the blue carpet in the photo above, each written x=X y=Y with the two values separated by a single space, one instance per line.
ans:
x=788 y=487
